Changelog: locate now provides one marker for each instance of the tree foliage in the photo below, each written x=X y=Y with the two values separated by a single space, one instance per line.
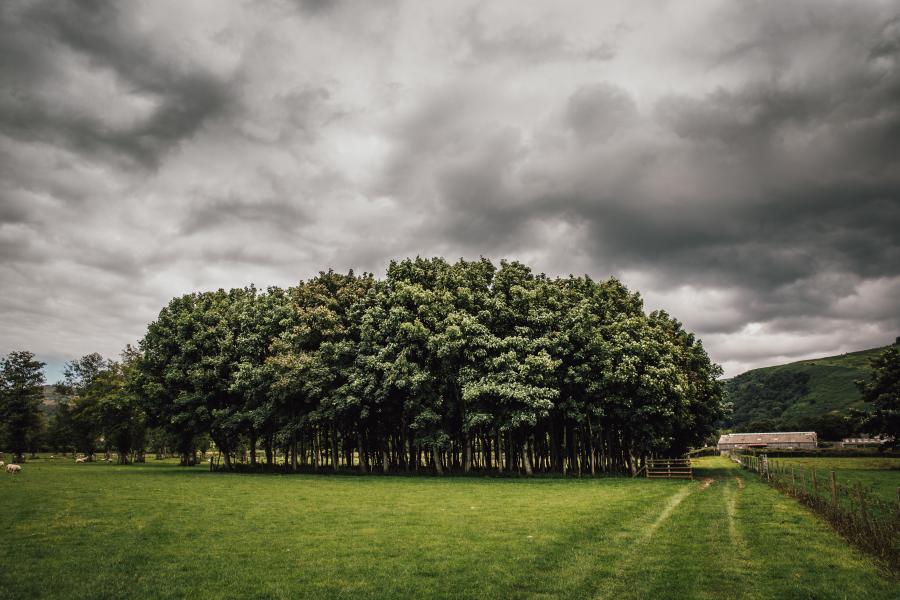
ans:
x=883 y=392
x=438 y=366
x=21 y=391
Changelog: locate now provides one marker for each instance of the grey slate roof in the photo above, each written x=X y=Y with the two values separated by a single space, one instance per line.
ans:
x=779 y=437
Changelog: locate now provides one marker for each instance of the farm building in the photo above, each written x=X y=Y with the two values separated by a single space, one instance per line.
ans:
x=862 y=442
x=783 y=440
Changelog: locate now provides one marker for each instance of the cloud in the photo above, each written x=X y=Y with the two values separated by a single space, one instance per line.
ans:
x=63 y=62
x=596 y=112
x=737 y=164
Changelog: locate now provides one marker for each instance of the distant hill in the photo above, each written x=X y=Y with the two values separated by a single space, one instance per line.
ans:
x=51 y=400
x=798 y=395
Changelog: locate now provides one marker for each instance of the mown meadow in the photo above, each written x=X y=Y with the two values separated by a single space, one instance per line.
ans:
x=163 y=531
x=880 y=475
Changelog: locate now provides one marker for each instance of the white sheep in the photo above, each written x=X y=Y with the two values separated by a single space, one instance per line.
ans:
x=11 y=468
x=81 y=459
x=1 y=464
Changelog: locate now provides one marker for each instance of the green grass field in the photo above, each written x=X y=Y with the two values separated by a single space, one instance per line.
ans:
x=880 y=475
x=161 y=531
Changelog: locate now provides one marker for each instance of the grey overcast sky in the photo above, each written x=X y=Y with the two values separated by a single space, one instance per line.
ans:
x=738 y=163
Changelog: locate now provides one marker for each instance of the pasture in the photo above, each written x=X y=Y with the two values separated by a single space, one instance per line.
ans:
x=162 y=531
x=880 y=475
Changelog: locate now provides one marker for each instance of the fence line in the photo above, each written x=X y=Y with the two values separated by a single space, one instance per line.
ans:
x=865 y=519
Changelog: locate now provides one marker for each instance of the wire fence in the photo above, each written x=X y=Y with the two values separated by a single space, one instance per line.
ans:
x=866 y=520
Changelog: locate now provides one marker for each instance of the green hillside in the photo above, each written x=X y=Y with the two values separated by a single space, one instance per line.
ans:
x=799 y=395
x=50 y=402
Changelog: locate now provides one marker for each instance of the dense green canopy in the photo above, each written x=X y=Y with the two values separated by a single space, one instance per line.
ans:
x=883 y=391
x=437 y=367
x=21 y=378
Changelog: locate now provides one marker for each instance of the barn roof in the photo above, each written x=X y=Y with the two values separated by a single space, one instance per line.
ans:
x=784 y=437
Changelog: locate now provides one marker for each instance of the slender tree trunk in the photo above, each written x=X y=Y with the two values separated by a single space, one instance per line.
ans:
x=526 y=460
x=554 y=447
x=467 y=462
x=334 y=449
x=362 y=458
x=435 y=455
x=591 y=448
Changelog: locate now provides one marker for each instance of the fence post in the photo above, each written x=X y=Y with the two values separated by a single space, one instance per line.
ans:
x=793 y=480
x=862 y=502
x=815 y=482
x=833 y=490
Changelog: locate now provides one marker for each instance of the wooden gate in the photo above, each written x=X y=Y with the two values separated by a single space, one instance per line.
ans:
x=669 y=468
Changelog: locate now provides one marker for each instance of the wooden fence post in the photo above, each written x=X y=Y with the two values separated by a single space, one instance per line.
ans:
x=793 y=480
x=833 y=490
x=815 y=483
x=862 y=501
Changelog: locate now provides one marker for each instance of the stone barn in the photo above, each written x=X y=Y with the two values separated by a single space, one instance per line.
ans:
x=787 y=440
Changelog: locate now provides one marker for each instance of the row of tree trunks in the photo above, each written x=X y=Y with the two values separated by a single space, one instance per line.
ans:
x=560 y=448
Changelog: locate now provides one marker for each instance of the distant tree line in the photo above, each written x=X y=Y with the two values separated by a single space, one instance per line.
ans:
x=437 y=367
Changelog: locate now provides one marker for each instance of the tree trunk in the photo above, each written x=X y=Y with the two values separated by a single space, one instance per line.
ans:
x=591 y=448
x=362 y=458
x=435 y=455
x=334 y=449
x=467 y=461
x=526 y=460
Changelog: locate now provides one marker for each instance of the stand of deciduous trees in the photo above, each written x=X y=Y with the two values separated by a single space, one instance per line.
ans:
x=438 y=367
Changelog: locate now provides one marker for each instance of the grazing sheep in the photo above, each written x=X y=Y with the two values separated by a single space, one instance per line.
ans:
x=81 y=459
x=1 y=464
x=11 y=468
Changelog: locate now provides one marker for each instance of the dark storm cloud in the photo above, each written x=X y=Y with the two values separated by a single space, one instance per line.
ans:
x=737 y=163
x=597 y=111
x=182 y=98
x=217 y=212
